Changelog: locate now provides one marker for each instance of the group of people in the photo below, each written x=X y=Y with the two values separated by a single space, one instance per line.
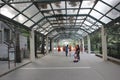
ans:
x=76 y=54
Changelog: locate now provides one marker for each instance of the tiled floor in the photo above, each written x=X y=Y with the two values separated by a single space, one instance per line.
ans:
x=59 y=67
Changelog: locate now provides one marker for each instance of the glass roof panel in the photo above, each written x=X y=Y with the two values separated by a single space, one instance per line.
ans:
x=54 y=22
x=58 y=12
x=29 y=23
x=35 y=27
x=22 y=6
x=8 y=11
x=78 y=24
x=18 y=0
x=43 y=32
x=55 y=25
x=31 y=11
x=50 y=13
x=1 y=1
x=95 y=27
x=96 y=14
x=37 y=17
x=88 y=23
x=84 y=11
x=43 y=22
x=80 y=32
x=47 y=28
x=81 y=17
x=87 y=4
x=105 y=20
x=112 y=2
x=50 y=29
x=90 y=30
x=90 y=20
x=98 y=24
x=54 y=33
x=113 y=14
x=50 y=19
x=73 y=4
x=45 y=6
x=85 y=26
x=46 y=25
x=79 y=21
x=20 y=18
x=58 y=5
x=40 y=29
x=72 y=12
x=82 y=27
x=118 y=7
x=103 y=8
x=63 y=12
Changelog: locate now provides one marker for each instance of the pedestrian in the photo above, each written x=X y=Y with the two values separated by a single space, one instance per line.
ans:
x=66 y=50
x=77 y=54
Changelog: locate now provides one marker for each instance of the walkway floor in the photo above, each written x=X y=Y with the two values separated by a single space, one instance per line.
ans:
x=58 y=67
x=4 y=66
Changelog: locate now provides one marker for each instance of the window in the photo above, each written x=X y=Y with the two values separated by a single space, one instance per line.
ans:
x=6 y=35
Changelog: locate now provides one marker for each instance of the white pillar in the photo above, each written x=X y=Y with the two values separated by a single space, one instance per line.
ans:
x=83 y=49
x=104 y=44
x=52 y=46
x=32 y=46
x=89 y=45
x=47 y=51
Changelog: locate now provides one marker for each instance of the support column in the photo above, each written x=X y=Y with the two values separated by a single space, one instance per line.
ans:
x=47 y=51
x=52 y=46
x=17 y=53
x=43 y=44
x=89 y=45
x=32 y=46
x=104 y=43
x=83 y=49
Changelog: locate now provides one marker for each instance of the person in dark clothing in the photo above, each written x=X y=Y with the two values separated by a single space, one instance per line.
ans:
x=77 y=54
x=66 y=50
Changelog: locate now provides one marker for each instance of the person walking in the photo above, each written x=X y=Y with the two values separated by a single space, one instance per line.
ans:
x=66 y=50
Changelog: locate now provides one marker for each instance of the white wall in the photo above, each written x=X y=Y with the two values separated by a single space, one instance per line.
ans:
x=23 y=42
x=3 y=51
x=23 y=46
x=3 y=47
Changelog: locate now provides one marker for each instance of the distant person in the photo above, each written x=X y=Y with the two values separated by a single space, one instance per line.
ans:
x=66 y=50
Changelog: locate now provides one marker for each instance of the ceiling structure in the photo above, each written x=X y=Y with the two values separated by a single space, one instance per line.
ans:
x=61 y=19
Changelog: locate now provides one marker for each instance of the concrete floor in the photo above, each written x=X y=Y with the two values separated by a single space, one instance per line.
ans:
x=58 y=67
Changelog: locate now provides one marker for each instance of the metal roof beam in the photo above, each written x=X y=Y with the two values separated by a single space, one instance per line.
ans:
x=40 y=1
x=67 y=34
x=67 y=28
x=3 y=18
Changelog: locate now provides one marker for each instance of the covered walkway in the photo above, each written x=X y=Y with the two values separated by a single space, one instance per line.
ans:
x=29 y=28
x=58 y=67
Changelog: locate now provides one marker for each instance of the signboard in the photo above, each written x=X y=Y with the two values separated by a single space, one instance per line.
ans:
x=12 y=54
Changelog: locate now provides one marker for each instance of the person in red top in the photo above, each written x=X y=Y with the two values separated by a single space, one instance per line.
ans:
x=59 y=48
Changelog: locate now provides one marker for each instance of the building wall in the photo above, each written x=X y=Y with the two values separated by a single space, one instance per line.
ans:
x=4 y=44
x=23 y=46
x=3 y=47
x=3 y=51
